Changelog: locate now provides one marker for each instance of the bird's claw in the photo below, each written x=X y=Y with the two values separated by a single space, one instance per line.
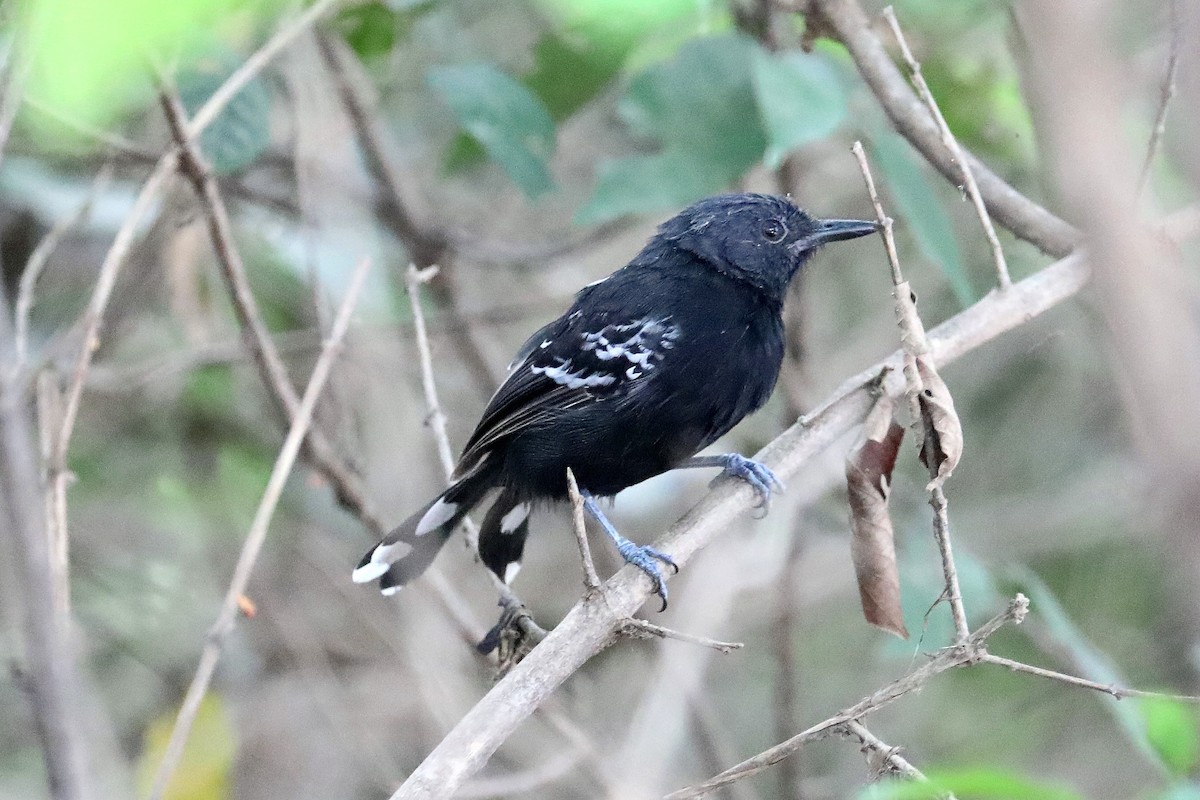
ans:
x=759 y=476
x=645 y=558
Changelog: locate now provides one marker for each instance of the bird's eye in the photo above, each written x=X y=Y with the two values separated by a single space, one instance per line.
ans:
x=773 y=231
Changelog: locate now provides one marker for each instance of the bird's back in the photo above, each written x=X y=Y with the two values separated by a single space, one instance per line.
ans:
x=671 y=354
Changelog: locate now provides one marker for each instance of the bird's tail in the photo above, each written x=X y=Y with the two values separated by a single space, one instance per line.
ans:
x=410 y=548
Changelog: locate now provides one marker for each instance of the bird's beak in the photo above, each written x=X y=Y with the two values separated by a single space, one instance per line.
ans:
x=834 y=230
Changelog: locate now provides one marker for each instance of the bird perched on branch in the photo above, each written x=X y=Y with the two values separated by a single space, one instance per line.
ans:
x=648 y=367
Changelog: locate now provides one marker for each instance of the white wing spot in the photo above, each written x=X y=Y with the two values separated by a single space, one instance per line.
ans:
x=562 y=375
x=510 y=572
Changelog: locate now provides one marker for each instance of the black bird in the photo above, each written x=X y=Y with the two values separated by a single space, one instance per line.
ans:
x=648 y=367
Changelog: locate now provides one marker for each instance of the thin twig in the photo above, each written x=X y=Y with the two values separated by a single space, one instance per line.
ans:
x=941 y=535
x=514 y=609
x=41 y=254
x=49 y=416
x=413 y=279
x=885 y=222
x=956 y=151
x=591 y=581
x=255 y=538
x=957 y=655
x=1166 y=92
x=1119 y=692
x=643 y=629
x=880 y=754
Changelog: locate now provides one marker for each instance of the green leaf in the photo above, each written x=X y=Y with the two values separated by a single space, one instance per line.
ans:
x=800 y=99
x=204 y=770
x=1091 y=662
x=920 y=208
x=968 y=784
x=699 y=107
x=242 y=131
x=91 y=56
x=701 y=104
x=1171 y=731
x=505 y=117
x=642 y=184
x=370 y=29
x=568 y=73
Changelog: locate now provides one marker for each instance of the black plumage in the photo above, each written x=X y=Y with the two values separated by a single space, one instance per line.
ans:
x=649 y=366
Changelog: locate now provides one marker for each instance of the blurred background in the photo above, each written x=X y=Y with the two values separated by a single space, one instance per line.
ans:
x=528 y=147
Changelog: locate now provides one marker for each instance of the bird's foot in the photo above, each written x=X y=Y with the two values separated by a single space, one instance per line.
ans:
x=646 y=558
x=642 y=556
x=759 y=476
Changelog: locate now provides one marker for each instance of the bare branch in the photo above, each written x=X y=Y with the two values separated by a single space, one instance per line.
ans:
x=589 y=628
x=1119 y=692
x=958 y=655
x=880 y=754
x=1016 y=212
x=40 y=255
x=514 y=609
x=1166 y=93
x=51 y=671
x=435 y=418
x=956 y=151
x=591 y=581
x=644 y=630
x=255 y=538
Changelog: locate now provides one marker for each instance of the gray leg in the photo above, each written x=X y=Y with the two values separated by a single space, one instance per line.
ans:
x=643 y=557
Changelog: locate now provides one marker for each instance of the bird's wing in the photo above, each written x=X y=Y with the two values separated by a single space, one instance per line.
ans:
x=576 y=360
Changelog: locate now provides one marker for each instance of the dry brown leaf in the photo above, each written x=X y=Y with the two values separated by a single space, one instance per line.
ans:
x=940 y=419
x=872 y=545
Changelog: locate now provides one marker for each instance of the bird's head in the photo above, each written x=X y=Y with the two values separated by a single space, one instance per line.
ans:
x=758 y=238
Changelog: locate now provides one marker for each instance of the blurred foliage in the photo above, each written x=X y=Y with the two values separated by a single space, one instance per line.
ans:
x=242 y=131
x=88 y=56
x=204 y=769
x=969 y=784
